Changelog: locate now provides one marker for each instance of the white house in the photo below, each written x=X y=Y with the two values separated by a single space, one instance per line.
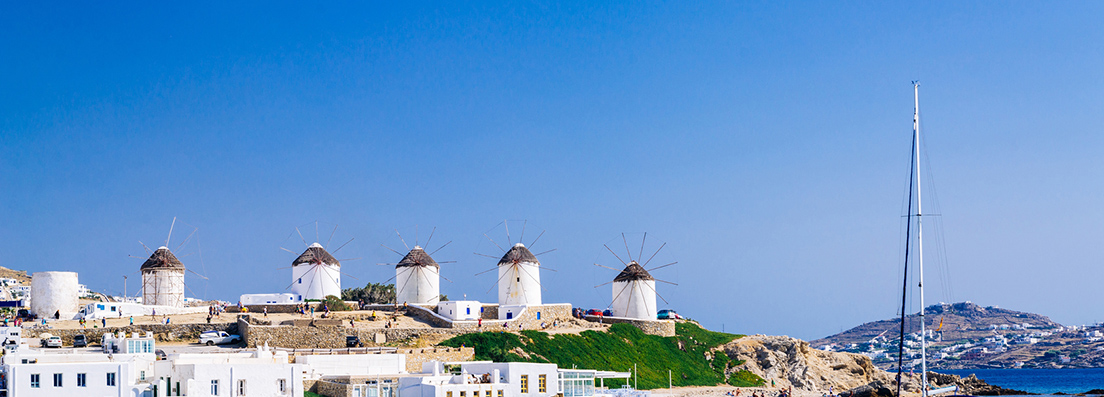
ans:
x=32 y=372
x=270 y=299
x=352 y=364
x=258 y=373
x=460 y=310
x=483 y=378
x=99 y=310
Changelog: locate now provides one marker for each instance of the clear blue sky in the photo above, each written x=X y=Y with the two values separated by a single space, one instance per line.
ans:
x=765 y=143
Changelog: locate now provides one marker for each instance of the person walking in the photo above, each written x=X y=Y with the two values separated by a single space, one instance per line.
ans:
x=103 y=322
x=131 y=320
x=481 y=322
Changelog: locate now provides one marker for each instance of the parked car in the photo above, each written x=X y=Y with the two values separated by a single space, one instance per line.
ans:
x=48 y=340
x=25 y=315
x=80 y=340
x=607 y=313
x=352 y=341
x=211 y=338
x=577 y=312
x=594 y=312
x=668 y=314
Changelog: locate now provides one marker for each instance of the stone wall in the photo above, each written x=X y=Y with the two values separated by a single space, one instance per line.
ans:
x=416 y=357
x=333 y=336
x=162 y=332
x=650 y=327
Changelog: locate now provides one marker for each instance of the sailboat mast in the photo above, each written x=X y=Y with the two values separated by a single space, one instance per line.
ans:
x=920 y=240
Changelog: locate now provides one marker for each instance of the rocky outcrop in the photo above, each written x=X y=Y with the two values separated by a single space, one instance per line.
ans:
x=971 y=385
x=792 y=362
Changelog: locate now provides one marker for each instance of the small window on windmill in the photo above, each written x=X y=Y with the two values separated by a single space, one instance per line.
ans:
x=468 y=311
x=300 y=280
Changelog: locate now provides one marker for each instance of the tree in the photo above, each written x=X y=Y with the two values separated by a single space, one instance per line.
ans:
x=372 y=293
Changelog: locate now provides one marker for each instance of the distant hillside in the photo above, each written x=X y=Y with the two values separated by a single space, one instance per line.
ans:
x=975 y=337
x=20 y=275
x=963 y=320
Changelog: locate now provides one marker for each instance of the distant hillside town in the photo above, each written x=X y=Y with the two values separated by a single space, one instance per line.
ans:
x=965 y=335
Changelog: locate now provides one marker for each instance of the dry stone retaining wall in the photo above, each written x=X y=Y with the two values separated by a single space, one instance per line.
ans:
x=650 y=327
x=162 y=332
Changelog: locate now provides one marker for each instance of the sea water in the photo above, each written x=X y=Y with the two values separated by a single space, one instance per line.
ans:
x=1042 y=381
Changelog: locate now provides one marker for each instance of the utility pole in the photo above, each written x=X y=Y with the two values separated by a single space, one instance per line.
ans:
x=124 y=289
x=636 y=377
x=670 y=384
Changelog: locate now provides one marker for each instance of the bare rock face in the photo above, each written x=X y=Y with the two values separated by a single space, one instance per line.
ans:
x=792 y=362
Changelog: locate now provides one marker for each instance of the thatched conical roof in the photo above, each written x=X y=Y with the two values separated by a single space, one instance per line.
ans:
x=518 y=254
x=417 y=257
x=315 y=254
x=162 y=259
x=633 y=272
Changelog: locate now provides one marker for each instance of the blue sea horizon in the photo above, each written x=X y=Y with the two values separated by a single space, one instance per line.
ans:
x=1041 y=381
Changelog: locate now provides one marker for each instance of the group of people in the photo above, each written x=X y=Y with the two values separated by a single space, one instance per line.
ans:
x=785 y=392
x=213 y=311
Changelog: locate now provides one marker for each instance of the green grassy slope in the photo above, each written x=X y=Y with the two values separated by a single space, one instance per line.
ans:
x=686 y=354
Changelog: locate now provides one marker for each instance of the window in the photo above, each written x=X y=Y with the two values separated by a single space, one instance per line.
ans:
x=525 y=383
x=81 y=378
x=499 y=393
x=463 y=393
x=241 y=387
x=111 y=379
x=300 y=280
x=214 y=387
x=34 y=381
x=113 y=308
x=141 y=375
x=281 y=385
x=468 y=310
x=57 y=380
x=542 y=383
x=448 y=394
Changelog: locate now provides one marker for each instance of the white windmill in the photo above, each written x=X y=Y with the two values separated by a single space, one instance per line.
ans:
x=417 y=275
x=634 y=292
x=316 y=274
x=518 y=273
x=163 y=274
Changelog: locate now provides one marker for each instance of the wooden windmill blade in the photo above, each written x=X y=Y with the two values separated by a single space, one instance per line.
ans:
x=519 y=267
x=615 y=254
x=657 y=294
x=439 y=248
x=660 y=267
x=499 y=281
x=607 y=267
x=392 y=250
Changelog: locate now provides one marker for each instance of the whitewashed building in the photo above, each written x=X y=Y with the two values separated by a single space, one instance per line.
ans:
x=262 y=372
x=270 y=299
x=482 y=378
x=316 y=274
x=417 y=278
x=634 y=293
x=163 y=279
x=460 y=310
x=519 y=278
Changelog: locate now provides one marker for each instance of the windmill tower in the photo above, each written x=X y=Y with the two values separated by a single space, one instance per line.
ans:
x=519 y=278
x=417 y=278
x=163 y=279
x=518 y=273
x=634 y=291
x=315 y=274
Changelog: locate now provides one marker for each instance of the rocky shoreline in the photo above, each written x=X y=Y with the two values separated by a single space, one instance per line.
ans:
x=786 y=362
